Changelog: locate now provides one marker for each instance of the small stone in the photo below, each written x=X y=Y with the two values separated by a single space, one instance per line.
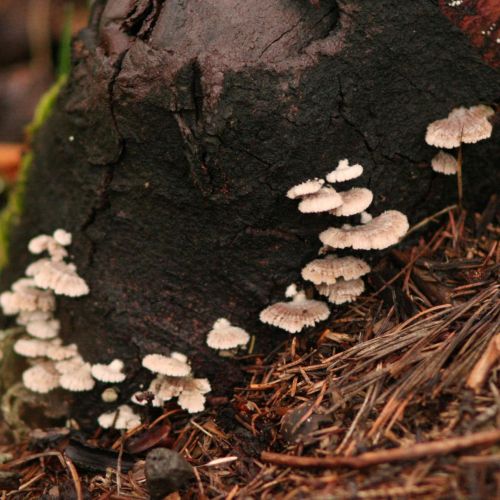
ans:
x=166 y=472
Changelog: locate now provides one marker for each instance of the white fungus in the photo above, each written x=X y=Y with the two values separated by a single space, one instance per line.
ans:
x=226 y=336
x=78 y=380
x=305 y=188
x=165 y=388
x=444 y=163
x=62 y=237
x=109 y=395
x=111 y=373
x=462 y=125
x=381 y=232
x=331 y=268
x=25 y=317
x=33 y=348
x=58 y=276
x=344 y=172
x=295 y=315
x=157 y=363
x=192 y=401
x=43 y=329
x=179 y=356
x=58 y=352
x=45 y=243
x=342 y=291
x=365 y=217
x=41 y=378
x=123 y=418
x=69 y=365
x=324 y=200
x=25 y=296
x=354 y=201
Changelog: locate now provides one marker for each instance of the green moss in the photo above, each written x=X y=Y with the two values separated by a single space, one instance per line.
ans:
x=11 y=214
x=44 y=108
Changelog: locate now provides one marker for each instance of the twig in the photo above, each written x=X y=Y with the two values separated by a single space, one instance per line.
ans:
x=420 y=450
x=431 y=218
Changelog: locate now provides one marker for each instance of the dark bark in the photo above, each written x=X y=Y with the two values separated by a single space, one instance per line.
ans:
x=188 y=130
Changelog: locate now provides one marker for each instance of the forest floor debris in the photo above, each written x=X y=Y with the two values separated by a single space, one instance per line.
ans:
x=399 y=397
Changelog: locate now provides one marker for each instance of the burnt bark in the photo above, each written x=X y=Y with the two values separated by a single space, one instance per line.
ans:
x=169 y=153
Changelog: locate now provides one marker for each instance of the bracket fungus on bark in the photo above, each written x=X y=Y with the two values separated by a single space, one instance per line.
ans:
x=305 y=188
x=324 y=200
x=329 y=269
x=78 y=380
x=344 y=172
x=342 y=290
x=295 y=315
x=379 y=233
x=462 y=125
x=224 y=336
x=41 y=378
x=166 y=365
x=123 y=418
x=354 y=201
x=110 y=373
x=58 y=276
x=444 y=163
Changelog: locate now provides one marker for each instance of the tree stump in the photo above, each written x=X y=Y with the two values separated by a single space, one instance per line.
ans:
x=169 y=152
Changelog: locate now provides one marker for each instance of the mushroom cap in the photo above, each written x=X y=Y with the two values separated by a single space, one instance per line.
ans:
x=291 y=291
x=165 y=388
x=308 y=187
x=62 y=237
x=365 y=217
x=192 y=401
x=467 y=125
x=59 y=352
x=25 y=317
x=41 y=378
x=179 y=356
x=354 y=201
x=39 y=244
x=157 y=363
x=29 y=298
x=109 y=395
x=295 y=315
x=58 y=276
x=111 y=373
x=342 y=291
x=79 y=380
x=226 y=336
x=44 y=329
x=444 y=163
x=33 y=348
x=46 y=243
x=9 y=303
x=344 y=172
x=197 y=384
x=331 y=268
x=381 y=232
x=69 y=365
x=324 y=200
x=123 y=418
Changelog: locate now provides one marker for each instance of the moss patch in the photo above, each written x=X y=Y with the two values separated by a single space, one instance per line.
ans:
x=11 y=214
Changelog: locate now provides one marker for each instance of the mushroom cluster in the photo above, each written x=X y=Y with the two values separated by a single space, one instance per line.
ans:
x=461 y=126
x=174 y=379
x=32 y=299
x=339 y=278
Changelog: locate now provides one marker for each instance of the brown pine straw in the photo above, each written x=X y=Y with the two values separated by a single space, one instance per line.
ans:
x=430 y=449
